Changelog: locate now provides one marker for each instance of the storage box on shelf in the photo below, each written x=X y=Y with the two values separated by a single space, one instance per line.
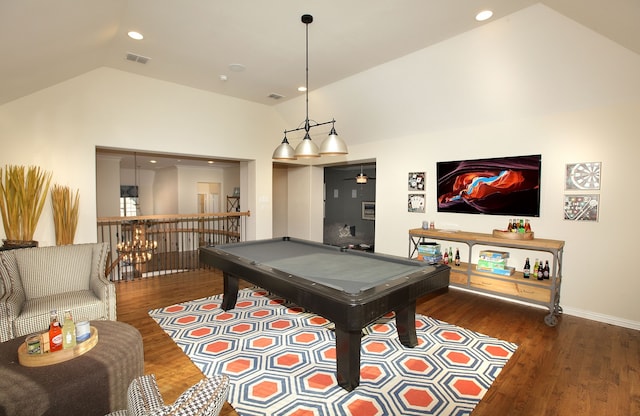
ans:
x=504 y=282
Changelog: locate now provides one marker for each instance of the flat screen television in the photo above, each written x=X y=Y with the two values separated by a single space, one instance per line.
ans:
x=496 y=186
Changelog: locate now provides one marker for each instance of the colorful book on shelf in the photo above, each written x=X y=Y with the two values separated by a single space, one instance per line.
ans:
x=492 y=264
x=508 y=271
x=430 y=259
x=493 y=255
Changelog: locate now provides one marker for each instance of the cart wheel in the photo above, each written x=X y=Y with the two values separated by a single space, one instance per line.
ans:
x=551 y=320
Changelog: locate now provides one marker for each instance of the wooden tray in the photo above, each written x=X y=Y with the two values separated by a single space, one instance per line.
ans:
x=508 y=235
x=50 y=358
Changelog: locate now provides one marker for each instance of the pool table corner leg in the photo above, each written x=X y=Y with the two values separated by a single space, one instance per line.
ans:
x=406 y=325
x=348 y=358
x=230 y=284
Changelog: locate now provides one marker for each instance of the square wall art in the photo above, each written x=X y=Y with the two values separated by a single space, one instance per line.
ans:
x=581 y=207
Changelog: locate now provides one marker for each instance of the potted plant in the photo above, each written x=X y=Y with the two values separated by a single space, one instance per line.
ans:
x=22 y=196
x=65 y=213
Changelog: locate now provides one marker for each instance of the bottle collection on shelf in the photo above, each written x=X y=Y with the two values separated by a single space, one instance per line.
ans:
x=519 y=226
x=58 y=336
x=488 y=261
x=540 y=271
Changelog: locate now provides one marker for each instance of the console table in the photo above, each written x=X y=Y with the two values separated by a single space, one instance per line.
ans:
x=540 y=292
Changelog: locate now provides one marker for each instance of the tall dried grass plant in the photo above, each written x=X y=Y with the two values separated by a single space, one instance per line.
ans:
x=22 y=196
x=65 y=213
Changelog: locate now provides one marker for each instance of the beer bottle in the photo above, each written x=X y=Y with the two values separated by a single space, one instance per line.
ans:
x=535 y=268
x=68 y=331
x=445 y=257
x=55 y=332
x=527 y=226
x=540 y=271
x=545 y=270
x=527 y=269
x=457 y=259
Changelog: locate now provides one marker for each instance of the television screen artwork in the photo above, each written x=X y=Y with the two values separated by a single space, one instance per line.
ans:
x=497 y=186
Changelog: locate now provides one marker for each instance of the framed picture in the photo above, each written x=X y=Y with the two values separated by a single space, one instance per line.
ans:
x=583 y=176
x=580 y=207
x=416 y=181
x=495 y=186
x=368 y=210
x=416 y=203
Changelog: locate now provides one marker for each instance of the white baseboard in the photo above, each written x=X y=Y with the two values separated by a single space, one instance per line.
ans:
x=580 y=313
x=607 y=319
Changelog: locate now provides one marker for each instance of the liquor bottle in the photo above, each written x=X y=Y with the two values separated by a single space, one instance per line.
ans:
x=445 y=257
x=545 y=270
x=68 y=331
x=55 y=332
x=457 y=259
x=527 y=269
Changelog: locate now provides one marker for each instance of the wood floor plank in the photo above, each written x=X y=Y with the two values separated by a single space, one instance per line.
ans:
x=579 y=367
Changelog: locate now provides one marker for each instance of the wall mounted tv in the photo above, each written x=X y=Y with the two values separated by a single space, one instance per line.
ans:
x=496 y=186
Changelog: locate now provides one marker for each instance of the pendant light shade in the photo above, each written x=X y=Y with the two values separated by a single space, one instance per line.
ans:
x=284 y=151
x=307 y=148
x=331 y=146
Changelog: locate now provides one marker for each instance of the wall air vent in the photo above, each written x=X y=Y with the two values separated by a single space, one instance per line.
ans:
x=275 y=96
x=134 y=57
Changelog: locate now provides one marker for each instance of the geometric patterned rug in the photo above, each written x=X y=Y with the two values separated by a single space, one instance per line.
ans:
x=281 y=360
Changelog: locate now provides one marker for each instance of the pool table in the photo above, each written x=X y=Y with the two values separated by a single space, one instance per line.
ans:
x=348 y=287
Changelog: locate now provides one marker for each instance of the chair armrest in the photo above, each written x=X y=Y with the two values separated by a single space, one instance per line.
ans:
x=13 y=297
x=104 y=289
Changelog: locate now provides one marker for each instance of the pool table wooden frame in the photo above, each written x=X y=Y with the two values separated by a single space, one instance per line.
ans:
x=350 y=312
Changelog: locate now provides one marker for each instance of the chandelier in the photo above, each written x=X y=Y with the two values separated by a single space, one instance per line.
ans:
x=138 y=250
x=331 y=146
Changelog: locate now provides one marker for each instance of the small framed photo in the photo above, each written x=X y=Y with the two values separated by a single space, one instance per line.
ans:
x=416 y=203
x=416 y=181
x=581 y=207
x=368 y=210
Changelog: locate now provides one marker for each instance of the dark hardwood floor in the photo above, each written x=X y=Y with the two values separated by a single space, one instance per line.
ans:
x=579 y=367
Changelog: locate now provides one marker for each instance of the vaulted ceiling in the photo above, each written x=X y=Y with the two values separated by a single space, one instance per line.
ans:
x=249 y=49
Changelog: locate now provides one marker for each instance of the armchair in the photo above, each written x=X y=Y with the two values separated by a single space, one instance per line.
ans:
x=33 y=281
x=203 y=398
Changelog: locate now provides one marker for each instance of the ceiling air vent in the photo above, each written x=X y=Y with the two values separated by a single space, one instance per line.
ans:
x=137 y=58
x=275 y=96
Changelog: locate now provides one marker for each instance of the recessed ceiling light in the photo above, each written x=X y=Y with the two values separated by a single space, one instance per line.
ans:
x=302 y=89
x=153 y=161
x=484 y=15
x=135 y=35
x=211 y=162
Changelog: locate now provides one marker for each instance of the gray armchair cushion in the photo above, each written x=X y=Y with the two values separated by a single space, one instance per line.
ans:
x=53 y=270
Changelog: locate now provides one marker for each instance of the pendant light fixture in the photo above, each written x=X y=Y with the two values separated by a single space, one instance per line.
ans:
x=331 y=146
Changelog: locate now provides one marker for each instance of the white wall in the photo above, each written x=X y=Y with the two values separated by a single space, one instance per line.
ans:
x=514 y=87
x=108 y=182
x=58 y=129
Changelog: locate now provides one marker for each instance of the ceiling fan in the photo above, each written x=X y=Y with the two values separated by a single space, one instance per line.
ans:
x=361 y=178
